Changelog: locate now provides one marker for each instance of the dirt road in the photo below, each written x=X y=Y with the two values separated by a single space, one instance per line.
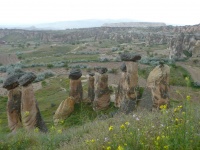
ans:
x=194 y=71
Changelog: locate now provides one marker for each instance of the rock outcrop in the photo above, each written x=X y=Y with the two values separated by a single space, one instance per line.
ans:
x=102 y=92
x=91 y=94
x=65 y=108
x=126 y=95
x=14 y=109
x=76 y=89
x=11 y=81
x=158 y=82
x=184 y=45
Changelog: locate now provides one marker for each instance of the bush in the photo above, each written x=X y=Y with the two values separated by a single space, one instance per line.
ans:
x=1 y=80
x=44 y=75
x=49 y=66
x=2 y=68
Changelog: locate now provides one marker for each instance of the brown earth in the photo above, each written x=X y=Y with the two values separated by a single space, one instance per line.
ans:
x=6 y=59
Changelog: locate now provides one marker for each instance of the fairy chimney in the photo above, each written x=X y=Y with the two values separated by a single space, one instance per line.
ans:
x=14 y=100
x=126 y=95
x=158 y=82
x=31 y=117
x=65 y=108
x=102 y=92
x=76 y=89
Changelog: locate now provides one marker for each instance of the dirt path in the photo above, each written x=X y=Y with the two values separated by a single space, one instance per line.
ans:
x=194 y=71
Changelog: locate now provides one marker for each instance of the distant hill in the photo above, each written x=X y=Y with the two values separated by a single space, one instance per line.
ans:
x=134 y=24
x=62 y=25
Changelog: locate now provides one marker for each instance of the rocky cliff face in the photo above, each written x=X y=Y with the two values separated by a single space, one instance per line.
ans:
x=184 y=41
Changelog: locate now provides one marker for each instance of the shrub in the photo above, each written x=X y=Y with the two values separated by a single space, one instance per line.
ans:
x=49 y=66
x=113 y=70
x=2 y=68
x=1 y=80
x=44 y=75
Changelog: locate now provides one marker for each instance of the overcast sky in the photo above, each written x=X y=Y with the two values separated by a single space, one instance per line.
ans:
x=178 y=12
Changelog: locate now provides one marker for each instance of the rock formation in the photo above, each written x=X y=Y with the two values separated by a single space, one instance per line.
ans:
x=158 y=82
x=126 y=95
x=65 y=108
x=14 y=100
x=76 y=89
x=31 y=117
x=91 y=87
x=184 y=45
x=14 y=109
x=102 y=92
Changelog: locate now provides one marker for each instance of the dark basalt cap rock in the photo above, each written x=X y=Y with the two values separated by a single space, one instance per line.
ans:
x=91 y=74
x=27 y=79
x=123 y=67
x=75 y=74
x=11 y=81
x=130 y=57
x=101 y=70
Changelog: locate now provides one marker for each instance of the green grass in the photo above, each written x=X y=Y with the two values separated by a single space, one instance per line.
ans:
x=176 y=128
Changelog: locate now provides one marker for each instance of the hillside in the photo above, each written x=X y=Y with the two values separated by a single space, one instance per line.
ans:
x=51 y=55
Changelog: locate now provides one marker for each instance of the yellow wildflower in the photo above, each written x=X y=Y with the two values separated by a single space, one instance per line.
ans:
x=158 y=138
x=166 y=147
x=108 y=148
x=127 y=123
x=188 y=97
x=120 y=148
x=92 y=141
x=122 y=126
x=53 y=128
x=26 y=113
x=186 y=78
x=36 y=130
x=59 y=131
x=87 y=141
x=110 y=128
x=61 y=121
x=163 y=107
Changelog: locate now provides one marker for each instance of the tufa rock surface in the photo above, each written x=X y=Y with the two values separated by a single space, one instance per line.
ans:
x=76 y=90
x=65 y=108
x=31 y=117
x=158 y=82
x=91 y=94
x=102 y=92
x=14 y=109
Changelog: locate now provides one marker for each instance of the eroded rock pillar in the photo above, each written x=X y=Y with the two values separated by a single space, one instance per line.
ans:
x=158 y=82
x=127 y=93
x=65 y=108
x=14 y=109
x=76 y=89
x=31 y=117
x=102 y=92
x=14 y=100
